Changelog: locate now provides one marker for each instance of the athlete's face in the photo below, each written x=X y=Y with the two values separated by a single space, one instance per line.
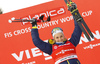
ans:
x=59 y=37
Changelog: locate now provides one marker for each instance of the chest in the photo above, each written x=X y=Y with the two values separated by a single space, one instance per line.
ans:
x=67 y=46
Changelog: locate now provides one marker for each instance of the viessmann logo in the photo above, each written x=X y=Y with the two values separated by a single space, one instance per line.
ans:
x=52 y=13
x=63 y=51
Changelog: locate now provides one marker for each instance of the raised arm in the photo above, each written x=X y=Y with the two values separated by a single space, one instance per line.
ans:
x=75 y=37
x=43 y=46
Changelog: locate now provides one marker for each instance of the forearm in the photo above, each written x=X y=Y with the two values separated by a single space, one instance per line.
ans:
x=75 y=38
x=35 y=36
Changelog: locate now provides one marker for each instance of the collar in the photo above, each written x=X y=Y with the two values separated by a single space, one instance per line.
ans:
x=61 y=43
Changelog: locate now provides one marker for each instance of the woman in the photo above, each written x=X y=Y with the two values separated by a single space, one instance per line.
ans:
x=62 y=50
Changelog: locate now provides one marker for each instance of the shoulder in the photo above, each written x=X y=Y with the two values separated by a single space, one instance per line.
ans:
x=51 y=41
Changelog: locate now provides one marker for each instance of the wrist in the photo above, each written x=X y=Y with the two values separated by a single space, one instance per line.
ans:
x=34 y=27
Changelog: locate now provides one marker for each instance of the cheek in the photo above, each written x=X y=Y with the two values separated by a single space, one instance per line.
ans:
x=62 y=39
x=56 y=40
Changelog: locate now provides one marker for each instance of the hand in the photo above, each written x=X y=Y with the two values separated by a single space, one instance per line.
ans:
x=34 y=23
x=72 y=7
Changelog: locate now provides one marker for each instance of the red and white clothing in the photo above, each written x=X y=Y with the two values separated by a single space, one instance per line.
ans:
x=63 y=52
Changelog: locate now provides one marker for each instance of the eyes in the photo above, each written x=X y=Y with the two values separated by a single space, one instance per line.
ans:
x=59 y=37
